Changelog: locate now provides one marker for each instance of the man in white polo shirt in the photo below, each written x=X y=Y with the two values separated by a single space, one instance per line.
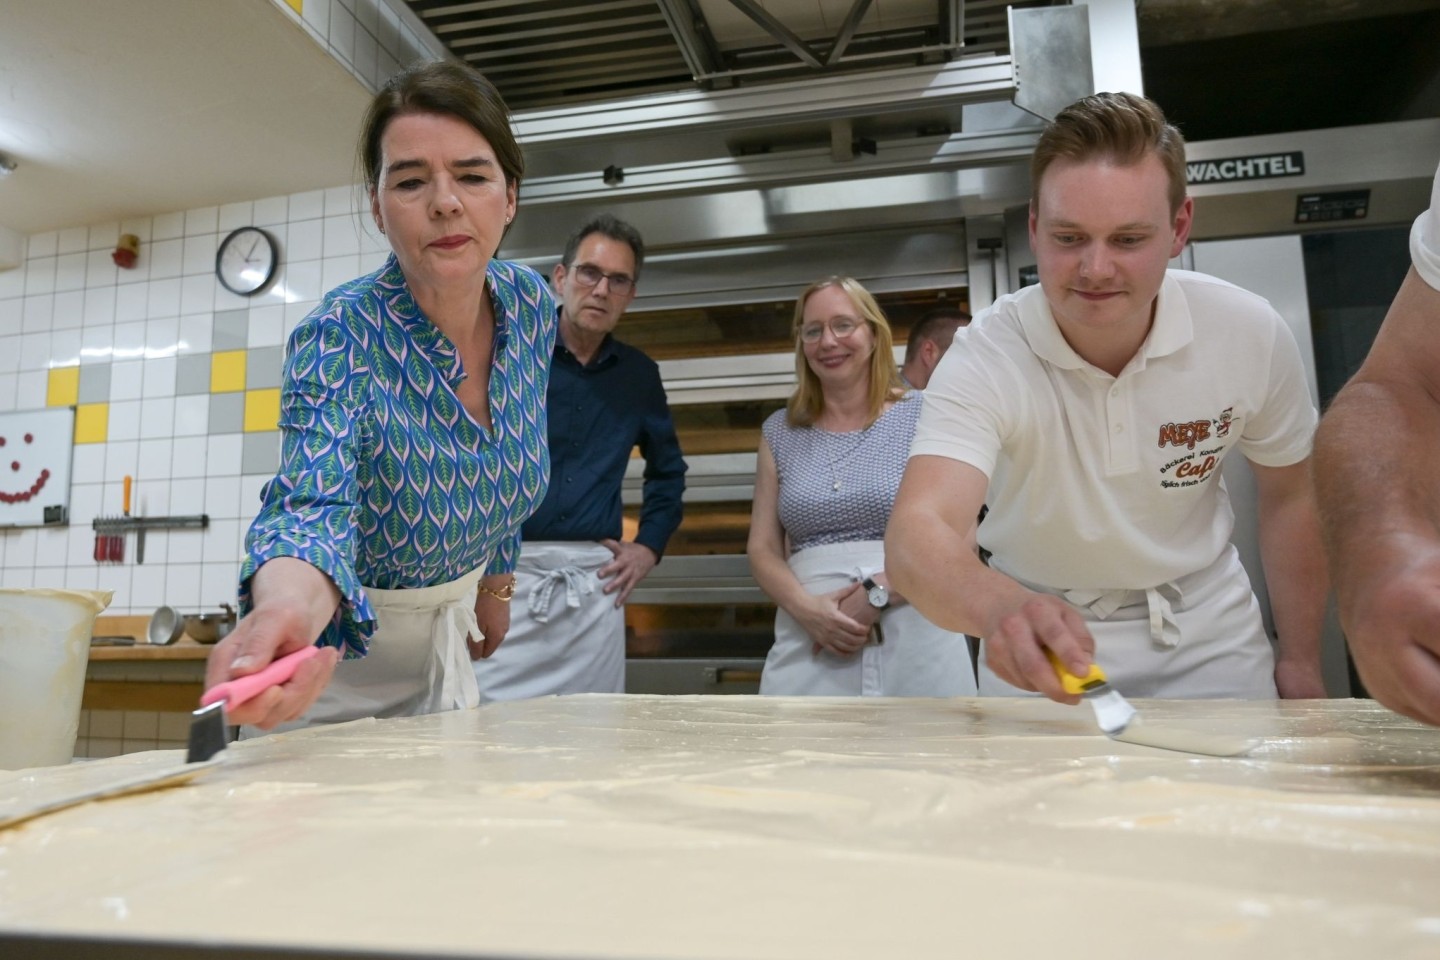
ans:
x=1094 y=412
x=1377 y=460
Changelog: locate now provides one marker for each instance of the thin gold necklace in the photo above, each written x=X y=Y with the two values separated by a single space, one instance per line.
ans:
x=846 y=455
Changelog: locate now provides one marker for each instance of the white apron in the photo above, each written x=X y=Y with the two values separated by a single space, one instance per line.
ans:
x=913 y=658
x=418 y=662
x=1200 y=636
x=566 y=634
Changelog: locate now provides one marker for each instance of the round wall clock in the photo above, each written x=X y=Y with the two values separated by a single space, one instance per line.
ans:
x=246 y=261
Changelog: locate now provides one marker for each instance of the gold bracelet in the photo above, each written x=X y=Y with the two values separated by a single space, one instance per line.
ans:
x=504 y=594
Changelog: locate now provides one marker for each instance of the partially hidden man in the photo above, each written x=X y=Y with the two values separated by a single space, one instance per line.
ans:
x=567 y=625
x=1093 y=413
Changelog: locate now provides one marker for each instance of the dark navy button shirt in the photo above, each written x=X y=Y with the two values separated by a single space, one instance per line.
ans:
x=598 y=413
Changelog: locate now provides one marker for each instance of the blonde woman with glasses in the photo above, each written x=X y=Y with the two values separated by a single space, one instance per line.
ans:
x=828 y=468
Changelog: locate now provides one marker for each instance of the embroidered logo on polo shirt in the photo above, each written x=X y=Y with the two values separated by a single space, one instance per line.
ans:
x=1193 y=468
x=1196 y=431
x=1184 y=434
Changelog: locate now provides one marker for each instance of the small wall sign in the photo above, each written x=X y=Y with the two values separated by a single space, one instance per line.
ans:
x=1343 y=205
x=1260 y=167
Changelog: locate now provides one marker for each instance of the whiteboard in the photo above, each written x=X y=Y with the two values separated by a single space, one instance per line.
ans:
x=35 y=451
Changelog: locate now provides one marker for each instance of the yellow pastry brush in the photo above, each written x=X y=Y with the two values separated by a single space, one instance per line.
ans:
x=1118 y=720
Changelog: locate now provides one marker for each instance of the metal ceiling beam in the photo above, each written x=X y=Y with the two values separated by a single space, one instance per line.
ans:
x=698 y=48
x=575 y=33
x=847 y=30
x=594 y=68
x=811 y=165
x=439 y=8
x=876 y=48
x=826 y=97
x=778 y=30
x=653 y=55
x=451 y=23
x=544 y=86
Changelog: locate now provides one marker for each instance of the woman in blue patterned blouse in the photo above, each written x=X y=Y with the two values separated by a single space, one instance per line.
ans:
x=413 y=423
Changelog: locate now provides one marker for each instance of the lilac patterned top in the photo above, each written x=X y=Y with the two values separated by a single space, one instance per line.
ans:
x=385 y=480
x=840 y=487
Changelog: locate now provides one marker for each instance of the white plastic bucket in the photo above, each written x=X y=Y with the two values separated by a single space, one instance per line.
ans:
x=44 y=648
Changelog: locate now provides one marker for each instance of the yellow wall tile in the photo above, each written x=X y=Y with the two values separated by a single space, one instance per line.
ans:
x=92 y=422
x=297 y=5
x=64 y=387
x=262 y=409
x=227 y=371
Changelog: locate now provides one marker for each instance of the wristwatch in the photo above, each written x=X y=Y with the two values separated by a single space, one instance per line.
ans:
x=879 y=596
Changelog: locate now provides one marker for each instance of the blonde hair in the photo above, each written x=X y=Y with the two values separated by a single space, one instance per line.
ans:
x=808 y=401
x=1119 y=127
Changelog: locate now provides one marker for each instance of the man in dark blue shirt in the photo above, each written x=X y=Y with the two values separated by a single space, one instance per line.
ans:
x=567 y=624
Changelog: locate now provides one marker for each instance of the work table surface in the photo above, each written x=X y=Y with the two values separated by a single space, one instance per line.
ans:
x=636 y=826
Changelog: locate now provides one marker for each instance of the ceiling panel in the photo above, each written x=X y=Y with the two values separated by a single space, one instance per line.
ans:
x=117 y=110
x=552 y=52
x=541 y=52
x=812 y=19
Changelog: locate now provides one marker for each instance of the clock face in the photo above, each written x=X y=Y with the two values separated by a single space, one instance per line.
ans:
x=247 y=260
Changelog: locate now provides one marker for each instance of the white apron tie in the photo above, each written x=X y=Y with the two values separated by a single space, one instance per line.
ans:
x=1102 y=604
x=577 y=583
x=450 y=665
x=573 y=647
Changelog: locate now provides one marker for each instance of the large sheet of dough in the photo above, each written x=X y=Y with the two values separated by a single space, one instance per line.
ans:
x=741 y=827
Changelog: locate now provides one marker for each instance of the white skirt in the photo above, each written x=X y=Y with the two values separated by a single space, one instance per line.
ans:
x=915 y=658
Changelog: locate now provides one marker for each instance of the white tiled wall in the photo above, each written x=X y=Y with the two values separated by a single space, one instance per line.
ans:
x=69 y=305
x=109 y=733
x=372 y=39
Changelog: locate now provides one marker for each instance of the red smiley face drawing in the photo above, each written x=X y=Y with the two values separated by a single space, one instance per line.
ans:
x=12 y=452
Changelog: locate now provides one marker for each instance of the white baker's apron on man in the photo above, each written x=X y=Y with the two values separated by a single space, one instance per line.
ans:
x=418 y=662
x=1200 y=636
x=914 y=658
x=566 y=634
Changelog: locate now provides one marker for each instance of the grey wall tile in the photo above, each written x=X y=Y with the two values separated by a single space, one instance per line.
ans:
x=227 y=412
x=231 y=330
x=192 y=374
x=260 y=453
x=263 y=367
x=95 y=383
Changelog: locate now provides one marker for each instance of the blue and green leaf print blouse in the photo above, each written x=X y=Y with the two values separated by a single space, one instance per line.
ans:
x=385 y=480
